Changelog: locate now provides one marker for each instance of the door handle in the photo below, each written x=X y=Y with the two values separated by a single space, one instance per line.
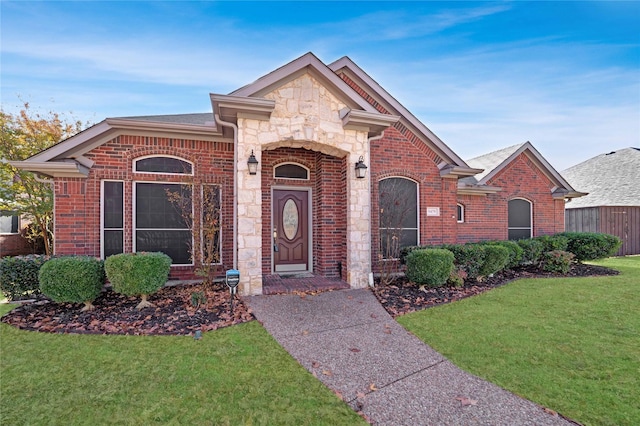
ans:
x=275 y=238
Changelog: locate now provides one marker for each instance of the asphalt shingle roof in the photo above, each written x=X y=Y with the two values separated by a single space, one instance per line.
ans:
x=490 y=161
x=202 y=119
x=611 y=179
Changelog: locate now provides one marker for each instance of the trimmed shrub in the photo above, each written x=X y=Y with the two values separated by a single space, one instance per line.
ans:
x=531 y=251
x=19 y=275
x=515 y=252
x=468 y=258
x=553 y=242
x=496 y=258
x=74 y=279
x=430 y=267
x=591 y=245
x=557 y=261
x=404 y=252
x=138 y=274
x=456 y=278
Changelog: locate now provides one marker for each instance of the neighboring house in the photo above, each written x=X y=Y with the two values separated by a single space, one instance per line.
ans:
x=12 y=240
x=613 y=204
x=308 y=165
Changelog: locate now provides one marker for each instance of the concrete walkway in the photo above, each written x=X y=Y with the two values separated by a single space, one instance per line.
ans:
x=348 y=341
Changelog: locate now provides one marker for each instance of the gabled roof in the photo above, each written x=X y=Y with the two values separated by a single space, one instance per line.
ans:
x=66 y=158
x=494 y=162
x=611 y=179
x=250 y=100
x=454 y=165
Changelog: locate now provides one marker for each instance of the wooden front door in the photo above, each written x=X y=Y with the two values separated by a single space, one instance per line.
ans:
x=290 y=230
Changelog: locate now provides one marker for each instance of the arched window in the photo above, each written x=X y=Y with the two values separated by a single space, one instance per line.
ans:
x=398 y=203
x=460 y=213
x=291 y=171
x=520 y=222
x=163 y=164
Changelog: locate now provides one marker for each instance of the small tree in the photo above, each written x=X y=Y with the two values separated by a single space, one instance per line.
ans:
x=397 y=207
x=204 y=207
x=23 y=135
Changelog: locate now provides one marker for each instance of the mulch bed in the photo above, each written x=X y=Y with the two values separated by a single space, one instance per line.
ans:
x=402 y=296
x=175 y=314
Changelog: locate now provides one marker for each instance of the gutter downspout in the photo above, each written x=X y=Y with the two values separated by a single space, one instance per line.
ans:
x=235 y=186
x=369 y=140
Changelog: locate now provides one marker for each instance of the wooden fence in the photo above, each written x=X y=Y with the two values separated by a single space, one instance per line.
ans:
x=621 y=221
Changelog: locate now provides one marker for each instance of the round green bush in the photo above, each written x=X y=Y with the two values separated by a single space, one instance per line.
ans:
x=496 y=258
x=557 y=261
x=135 y=274
x=74 y=279
x=531 y=251
x=515 y=252
x=591 y=245
x=553 y=242
x=430 y=267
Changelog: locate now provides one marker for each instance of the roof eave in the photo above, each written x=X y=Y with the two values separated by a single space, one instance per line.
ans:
x=228 y=107
x=450 y=170
x=477 y=189
x=375 y=123
x=407 y=118
x=54 y=169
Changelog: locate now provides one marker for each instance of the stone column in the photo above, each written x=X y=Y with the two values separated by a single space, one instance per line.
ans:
x=249 y=209
x=358 y=215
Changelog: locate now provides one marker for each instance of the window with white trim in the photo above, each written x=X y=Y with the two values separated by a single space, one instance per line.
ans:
x=9 y=222
x=520 y=221
x=112 y=217
x=460 y=213
x=398 y=204
x=159 y=223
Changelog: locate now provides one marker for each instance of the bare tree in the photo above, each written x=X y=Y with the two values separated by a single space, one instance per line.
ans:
x=200 y=211
x=397 y=203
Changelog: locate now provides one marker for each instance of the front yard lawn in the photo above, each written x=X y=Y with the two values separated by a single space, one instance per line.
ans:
x=233 y=376
x=569 y=344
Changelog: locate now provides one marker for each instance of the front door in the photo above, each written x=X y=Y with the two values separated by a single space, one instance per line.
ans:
x=290 y=230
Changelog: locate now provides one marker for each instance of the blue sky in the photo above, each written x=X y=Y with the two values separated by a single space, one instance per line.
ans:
x=480 y=75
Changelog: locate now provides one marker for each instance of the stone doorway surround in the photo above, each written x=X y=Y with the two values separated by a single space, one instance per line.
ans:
x=301 y=105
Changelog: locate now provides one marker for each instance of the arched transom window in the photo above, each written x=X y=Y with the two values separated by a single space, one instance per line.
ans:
x=164 y=165
x=291 y=171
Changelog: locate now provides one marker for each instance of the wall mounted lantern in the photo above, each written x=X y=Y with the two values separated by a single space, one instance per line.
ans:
x=361 y=168
x=252 y=162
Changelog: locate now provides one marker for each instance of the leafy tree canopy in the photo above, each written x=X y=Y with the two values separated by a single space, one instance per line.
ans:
x=23 y=135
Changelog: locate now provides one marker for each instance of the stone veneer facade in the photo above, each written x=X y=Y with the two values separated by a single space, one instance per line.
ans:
x=306 y=115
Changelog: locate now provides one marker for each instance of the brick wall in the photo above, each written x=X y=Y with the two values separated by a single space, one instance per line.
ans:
x=395 y=155
x=486 y=217
x=327 y=180
x=77 y=201
x=15 y=245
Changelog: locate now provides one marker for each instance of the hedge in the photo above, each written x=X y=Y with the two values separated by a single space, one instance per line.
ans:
x=496 y=258
x=19 y=275
x=591 y=245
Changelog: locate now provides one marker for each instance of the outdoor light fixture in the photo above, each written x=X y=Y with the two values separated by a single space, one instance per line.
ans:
x=361 y=168
x=252 y=162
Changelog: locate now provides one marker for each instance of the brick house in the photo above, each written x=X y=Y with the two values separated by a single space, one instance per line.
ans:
x=283 y=158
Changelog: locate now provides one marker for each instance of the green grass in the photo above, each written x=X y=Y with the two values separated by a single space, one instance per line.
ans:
x=570 y=344
x=233 y=376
